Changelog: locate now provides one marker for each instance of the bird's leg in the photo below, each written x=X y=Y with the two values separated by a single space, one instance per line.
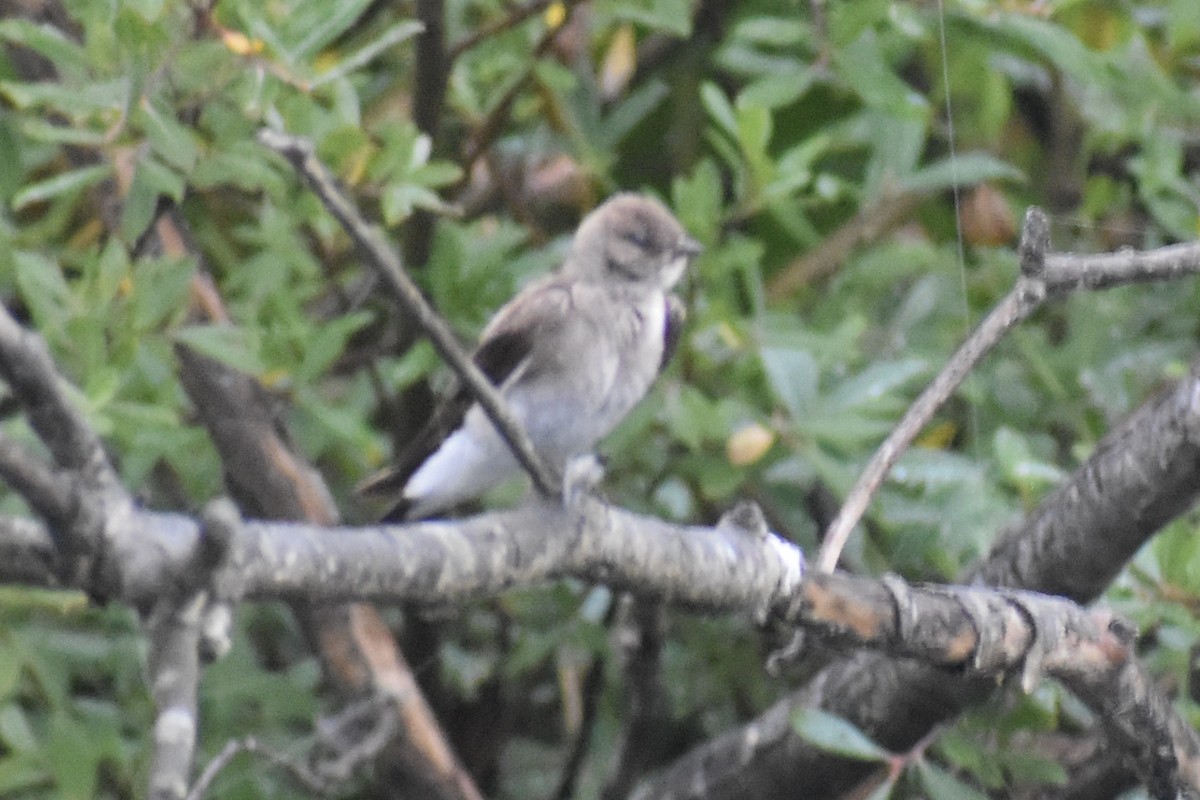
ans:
x=580 y=478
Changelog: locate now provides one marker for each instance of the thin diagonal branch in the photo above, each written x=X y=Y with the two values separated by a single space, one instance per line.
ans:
x=26 y=365
x=384 y=260
x=516 y=15
x=1043 y=275
x=49 y=494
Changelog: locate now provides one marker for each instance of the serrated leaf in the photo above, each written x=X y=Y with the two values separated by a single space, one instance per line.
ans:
x=835 y=735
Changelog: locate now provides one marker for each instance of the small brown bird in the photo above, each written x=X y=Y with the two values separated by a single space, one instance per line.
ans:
x=571 y=354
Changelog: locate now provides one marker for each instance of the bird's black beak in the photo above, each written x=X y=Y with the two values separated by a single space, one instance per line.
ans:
x=687 y=246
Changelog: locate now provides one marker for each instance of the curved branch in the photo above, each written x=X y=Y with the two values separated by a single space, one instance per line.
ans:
x=1042 y=276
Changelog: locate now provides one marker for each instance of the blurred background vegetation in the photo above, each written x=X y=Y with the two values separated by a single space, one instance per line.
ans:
x=857 y=172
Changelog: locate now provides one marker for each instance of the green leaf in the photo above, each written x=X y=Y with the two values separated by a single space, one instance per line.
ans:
x=399 y=200
x=43 y=289
x=68 y=58
x=630 y=112
x=15 y=730
x=397 y=33
x=794 y=377
x=965 y=169
x=328 y=27
x=74 y=102
x=862 y=66
x=73 y=757
x=693 y=418
x=63 y=183
x=834 y=734
x=151 y=180
x=234 y=347
x=942 y=785
x=327 y=342
x=174 y=142
x=874 y=383
x=670 y=16
x=698 y=199
x=719 y=108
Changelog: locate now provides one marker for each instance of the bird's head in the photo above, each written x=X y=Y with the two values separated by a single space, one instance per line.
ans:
x=632 y=239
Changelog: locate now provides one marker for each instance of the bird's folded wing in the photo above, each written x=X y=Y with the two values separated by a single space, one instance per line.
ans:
x=676 y=317
x=521 y=341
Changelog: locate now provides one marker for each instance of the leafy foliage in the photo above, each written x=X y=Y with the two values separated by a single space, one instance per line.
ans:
x=772 y=132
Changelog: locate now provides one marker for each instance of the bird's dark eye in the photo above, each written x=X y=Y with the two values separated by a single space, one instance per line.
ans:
x=639 y=237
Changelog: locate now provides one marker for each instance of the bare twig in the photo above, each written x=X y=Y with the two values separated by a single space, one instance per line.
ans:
x=1042 y=276
x=384 y=260
x=487 y=130
x=49 y=494
x=26 y=364
x=516 y=15
x=1016 y=306
x=869 y=224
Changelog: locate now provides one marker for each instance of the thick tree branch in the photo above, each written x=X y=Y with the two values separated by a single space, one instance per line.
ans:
x=732 y=567
x=77 y=521
x=996 y=632
x=358 y=651
x=1143 y=474
x=386 y=263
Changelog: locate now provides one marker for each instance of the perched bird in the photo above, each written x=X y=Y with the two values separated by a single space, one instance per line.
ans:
x=571 y=354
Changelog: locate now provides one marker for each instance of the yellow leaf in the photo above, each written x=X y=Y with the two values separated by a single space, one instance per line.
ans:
x=274 y=377
x=939 y=436
x=748 y=444
x=620 y=62
x=125 y=285
x=555 y=15
x=729 y=336
x=240 y=43
x=326 y=61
